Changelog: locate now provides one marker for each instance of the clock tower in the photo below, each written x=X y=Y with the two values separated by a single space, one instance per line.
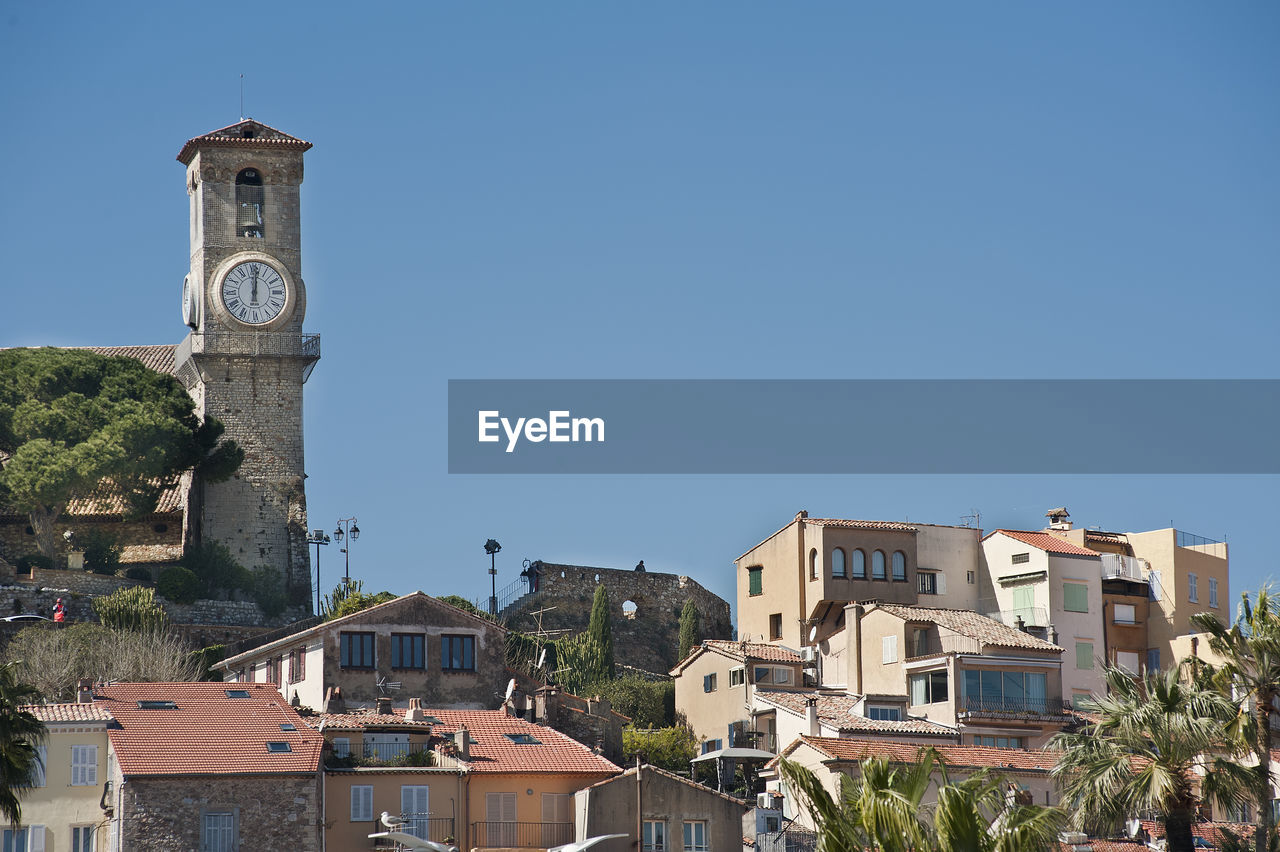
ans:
x=246 y=358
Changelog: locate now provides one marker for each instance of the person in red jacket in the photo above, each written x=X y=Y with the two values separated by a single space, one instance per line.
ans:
x=59 y=612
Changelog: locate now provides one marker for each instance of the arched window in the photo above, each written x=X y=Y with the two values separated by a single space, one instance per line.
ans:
x=877 y=565
x=249 y=203
x=858 y=565
x=837 y=563
x=899 y=566
x=813 y=564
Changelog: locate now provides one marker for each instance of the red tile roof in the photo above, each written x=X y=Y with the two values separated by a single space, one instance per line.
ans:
x=159 y=358
x=837 y=711
x=968 y=623
x=360 y=721
x=233 y=135
x=650 y=769
x=1045 y=541
x=52 y=714
x=741 y=652
x=861 y=525
x=207 y=733
x=493 y=751
x=977 y=757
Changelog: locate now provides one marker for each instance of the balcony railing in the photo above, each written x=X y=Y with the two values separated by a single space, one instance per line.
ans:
x=978 y=705
x=928 y=645
x=1124 y=567
x=525 y=835
x=422 y=826
x=1032 y=616
x=382 y=754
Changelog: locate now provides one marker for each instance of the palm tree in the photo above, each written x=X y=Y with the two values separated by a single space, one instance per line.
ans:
x=20 y=733
x=1142 y=754
x=977 y=815
x=885 y=809
x=1251 y=652
x=881 y=810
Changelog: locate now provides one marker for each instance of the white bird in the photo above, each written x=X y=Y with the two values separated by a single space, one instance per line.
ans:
x=580 y=845
x=391 y=822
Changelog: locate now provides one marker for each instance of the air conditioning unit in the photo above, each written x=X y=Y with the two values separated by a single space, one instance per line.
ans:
x=809 y=656
x=769 y=801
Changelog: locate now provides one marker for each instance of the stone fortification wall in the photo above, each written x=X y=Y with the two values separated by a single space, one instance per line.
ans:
x=648 y=637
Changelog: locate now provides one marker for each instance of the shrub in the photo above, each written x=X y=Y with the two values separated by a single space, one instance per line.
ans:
x=649 y=703
x=669 y=748
x=33 y=560
x=101 y=551
x=216 y=569
x=138 y=572
x=179 y=585
x=267 y=590
x=132 y=608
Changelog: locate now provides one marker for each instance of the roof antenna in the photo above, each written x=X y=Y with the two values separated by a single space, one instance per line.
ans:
x=242 y=97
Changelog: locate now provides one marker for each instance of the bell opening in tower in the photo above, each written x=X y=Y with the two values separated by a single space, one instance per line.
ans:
x=249 y=196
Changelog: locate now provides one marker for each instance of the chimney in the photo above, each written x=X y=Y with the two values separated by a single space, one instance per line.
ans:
x=333 y=702
x=811 y=716
x=803 y=513
x=462 y=742
x=414 y=713
x=383 y=707
x=84 y=691
x=1059 y=518
x=1020 y=624
x=855 y=646
x=1052 y=635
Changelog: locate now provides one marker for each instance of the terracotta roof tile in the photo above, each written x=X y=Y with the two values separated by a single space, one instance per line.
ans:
x=206 y=732
x=134 y=554
x=753 y=651
x=105 y=501
x=1045 y=541
x=159 y=358
x=360 y=721
x=493 y=751
x=977 y=757
x=837 y=711
x=861 y=525
x=53 y=713
x=971 y=624
x=235 y=135
x=656 y=770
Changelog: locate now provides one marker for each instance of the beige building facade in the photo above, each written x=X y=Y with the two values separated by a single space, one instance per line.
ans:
x=715 y=684
x=64 y=808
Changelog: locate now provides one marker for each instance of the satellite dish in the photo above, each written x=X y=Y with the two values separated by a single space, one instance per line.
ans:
x=1132 y=827
x=813 y=632
x=511 y=687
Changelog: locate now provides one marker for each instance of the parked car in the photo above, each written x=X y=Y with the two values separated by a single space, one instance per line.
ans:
x=28 y=616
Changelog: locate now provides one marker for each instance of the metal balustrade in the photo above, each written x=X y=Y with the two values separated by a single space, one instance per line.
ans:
x=524 y=835
x=978 y=705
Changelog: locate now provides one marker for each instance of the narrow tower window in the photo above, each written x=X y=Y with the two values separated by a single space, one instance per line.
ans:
x=249 y=203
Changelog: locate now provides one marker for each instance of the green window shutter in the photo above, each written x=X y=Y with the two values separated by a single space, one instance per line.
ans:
x=754 y=584
x=1075 y=597
x=1084 y=655
x=1024 y=597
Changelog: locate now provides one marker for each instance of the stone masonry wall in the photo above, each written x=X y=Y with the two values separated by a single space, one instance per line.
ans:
x=648 y=638
x=272 y=812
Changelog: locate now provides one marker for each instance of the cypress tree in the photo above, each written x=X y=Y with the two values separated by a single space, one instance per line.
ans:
x=688 y=629
x=600 y=635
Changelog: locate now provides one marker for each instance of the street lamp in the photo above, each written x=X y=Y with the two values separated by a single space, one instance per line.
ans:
x=318 y=538
x=492 y=547
x=346 y=526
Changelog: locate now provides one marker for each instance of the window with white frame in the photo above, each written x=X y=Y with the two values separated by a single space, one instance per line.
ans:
x=362 y=803
x=84 y=765
x=655 y=835
x=82 y=838
x=884 y=714
x=26 y=838
x=1193 y=593
x=928 y=688
x=218 y=831
x=888 y=649
x=1125 y=614
x=1213 y=591
x=738 y=676
x=695 y=836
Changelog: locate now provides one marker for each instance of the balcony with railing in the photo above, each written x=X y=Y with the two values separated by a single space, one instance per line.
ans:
x=521 y=835
x=1200 y=544
x=930 y=644
x=381 y=754
x=1001 y=707
x=1118 y=566
x=421 y=826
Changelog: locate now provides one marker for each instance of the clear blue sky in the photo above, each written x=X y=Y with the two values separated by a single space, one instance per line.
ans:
x=711 y=190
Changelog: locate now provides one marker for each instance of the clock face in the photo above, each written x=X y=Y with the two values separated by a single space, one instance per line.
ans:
x=253 y=292
x=189 y=315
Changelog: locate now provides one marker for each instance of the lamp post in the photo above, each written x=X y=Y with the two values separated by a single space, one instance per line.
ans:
x=318 y=538
x=492 y=547
x=346 y=527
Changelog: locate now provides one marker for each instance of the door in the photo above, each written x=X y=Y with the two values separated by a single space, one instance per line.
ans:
x=415 y=811
x=500 y=819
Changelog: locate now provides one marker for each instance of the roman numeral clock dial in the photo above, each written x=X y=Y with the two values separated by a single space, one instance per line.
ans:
x=253 y=292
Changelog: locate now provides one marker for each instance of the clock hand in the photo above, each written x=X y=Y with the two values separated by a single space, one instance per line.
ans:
x=253 y=296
